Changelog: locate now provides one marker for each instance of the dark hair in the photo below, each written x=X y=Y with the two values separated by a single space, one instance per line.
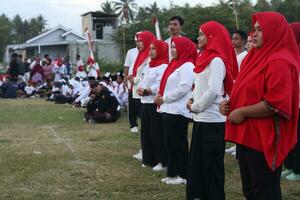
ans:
x=242 y=34
x=14 y=55
x=178 y=18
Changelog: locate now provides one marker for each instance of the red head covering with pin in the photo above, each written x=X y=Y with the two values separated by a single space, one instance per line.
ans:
x=162 y=51
x=146 y=37
x=218 y=45
x=186 y=52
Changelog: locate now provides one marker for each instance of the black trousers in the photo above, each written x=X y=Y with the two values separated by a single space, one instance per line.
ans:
x=175 y=130
x=134 y=110
x=152 y=136
x=293 y=160
x=100 y=117
x=259 y=182
x=206 y=174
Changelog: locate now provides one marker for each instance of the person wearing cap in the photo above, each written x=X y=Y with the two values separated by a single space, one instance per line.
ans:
x=102 y=107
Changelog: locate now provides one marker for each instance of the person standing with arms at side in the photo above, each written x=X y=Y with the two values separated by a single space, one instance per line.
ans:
x=292 y=163
x=263 y=106
x=175 y=27
x=152 y=135
x=132 y=109
x=174 y=91
x=239 y=39
x=213 y=83
x=144 y=40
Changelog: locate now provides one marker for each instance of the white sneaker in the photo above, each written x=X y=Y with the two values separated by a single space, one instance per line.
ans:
x=231 y=149
x=164 y=180
x=143 y=165
x=138 y=156
x=176 y=181
x=134 y=129
x=233 y=153
x=158 y=167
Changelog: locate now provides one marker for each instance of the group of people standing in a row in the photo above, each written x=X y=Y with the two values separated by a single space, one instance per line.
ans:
x=250 y=99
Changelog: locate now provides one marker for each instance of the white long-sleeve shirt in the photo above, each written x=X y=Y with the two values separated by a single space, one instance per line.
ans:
x=240 y=57
x=59 y=72
x=131 y=56
x=151 y=80
x=178 y=91
x=138 y=77
x=93 y=70
x=208 y=92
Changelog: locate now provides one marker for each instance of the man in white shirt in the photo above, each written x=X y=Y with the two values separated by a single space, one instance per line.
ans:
x=175 y=29
x=132 y=111
x=239 y=39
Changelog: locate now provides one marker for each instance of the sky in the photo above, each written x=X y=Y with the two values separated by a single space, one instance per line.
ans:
x=67 y=12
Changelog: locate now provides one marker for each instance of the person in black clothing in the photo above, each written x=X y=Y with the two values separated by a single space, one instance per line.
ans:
x=14 y=69
x=102 y=107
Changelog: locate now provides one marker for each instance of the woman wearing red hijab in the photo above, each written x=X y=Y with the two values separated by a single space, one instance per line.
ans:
x=292 y=163
x=152 y=136
x=144 y=40
x=263 y=108
x=213 y=82
x=249 y=44
x=174 y=91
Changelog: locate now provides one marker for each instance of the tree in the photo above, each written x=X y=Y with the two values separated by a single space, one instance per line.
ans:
x=290 y=9
x=107 y=7
x=262 y=5
x=125 y=9
x=152 y=9
x=5 y=33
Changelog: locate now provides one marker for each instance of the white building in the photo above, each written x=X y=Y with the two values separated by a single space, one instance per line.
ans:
x=64 y=42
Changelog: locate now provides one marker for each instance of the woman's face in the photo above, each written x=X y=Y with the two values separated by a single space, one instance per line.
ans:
x=257 y=36
x=140 y=45
x=202 y=39
x=174 y=51
x=152 y=53
x=249 y=44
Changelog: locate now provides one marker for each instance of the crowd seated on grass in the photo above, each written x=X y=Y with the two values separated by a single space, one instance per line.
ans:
x=80 y=85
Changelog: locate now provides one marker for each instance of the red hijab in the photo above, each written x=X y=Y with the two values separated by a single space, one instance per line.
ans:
x=218 y=45
x=186 y=52
x=259 y=80
x=296 y=28
x=90 y=61
x=146 y=37
x=162 y=51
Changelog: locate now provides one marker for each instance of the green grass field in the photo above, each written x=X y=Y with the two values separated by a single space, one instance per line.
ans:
x=48 y=152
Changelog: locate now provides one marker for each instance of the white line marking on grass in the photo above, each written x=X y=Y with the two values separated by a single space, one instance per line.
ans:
x=57 y=139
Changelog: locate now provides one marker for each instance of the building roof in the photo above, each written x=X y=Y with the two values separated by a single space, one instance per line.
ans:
x=47 y=33
x=101 y=14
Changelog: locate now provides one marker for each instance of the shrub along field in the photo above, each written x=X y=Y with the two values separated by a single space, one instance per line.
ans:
x=47 y=151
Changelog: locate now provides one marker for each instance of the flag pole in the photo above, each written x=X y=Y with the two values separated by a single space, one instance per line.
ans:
x=235 y=14
x=124 y=44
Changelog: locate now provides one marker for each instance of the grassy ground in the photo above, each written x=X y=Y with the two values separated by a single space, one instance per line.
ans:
x=48 y=152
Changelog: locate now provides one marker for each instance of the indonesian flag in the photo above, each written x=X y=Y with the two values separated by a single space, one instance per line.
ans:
x=89 y=40
x=156 y=24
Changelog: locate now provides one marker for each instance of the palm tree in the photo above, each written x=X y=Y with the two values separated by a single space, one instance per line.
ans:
x=125 y=9
x=107 y=7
